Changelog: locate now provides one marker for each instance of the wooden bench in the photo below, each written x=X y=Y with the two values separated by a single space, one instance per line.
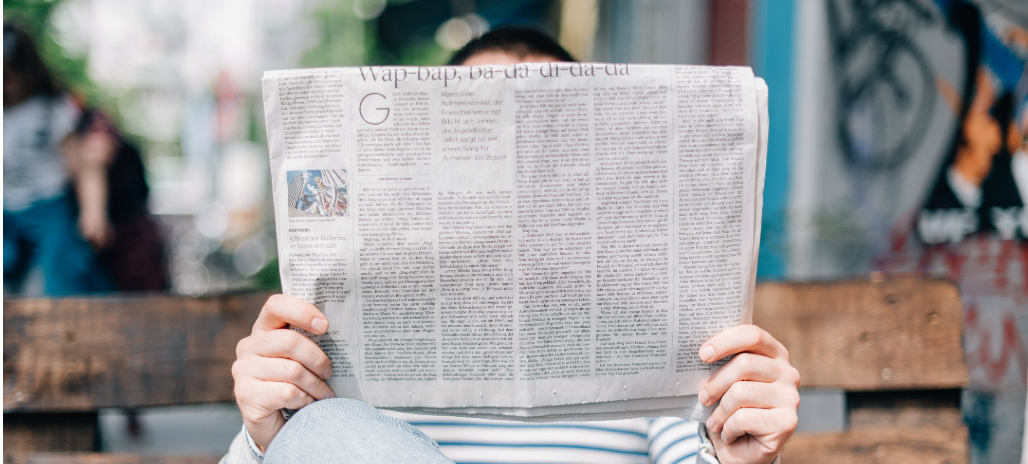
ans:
x=64 y=359
x=894 y=346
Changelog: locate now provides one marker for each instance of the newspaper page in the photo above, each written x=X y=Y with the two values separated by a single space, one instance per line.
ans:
x=534 y=241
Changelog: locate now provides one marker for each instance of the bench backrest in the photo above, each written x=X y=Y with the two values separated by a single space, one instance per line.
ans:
x=895 y=345
x=83 y=354
x=64 y=359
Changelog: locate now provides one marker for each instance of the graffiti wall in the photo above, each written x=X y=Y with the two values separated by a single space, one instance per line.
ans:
x=921 y=167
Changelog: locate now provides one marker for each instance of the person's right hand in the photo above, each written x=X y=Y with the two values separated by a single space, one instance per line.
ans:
x=96 y=229
x=279 y=368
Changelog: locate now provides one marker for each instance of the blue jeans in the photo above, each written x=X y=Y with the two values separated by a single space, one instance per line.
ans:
x=345 y=430
x=46 y=235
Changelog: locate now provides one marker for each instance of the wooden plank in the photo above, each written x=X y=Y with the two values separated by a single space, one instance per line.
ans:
x=909 y=409
x=880 y=446
x=861 y=335
x=100 y=458
x=77 y=431
x=82 y=354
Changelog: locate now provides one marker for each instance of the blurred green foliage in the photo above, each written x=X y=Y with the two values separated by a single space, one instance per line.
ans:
x=346 y=40
x=268 y=278
x=427 y=53
x=34 y=16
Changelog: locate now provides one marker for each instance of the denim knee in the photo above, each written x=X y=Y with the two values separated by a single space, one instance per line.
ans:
x=340 y=429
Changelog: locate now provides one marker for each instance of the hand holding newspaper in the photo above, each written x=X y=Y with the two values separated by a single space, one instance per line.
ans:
x=535 y=241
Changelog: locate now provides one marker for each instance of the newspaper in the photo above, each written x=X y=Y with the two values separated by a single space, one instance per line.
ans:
x=537 y=241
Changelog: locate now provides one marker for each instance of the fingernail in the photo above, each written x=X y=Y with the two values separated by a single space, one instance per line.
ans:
x=707 y=353
x=710 y=422
x=703 y=396
x=330 y=394
x=317 y=324
x=327 y=374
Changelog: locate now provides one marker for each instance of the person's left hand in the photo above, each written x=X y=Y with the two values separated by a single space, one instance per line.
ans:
x=758 y=394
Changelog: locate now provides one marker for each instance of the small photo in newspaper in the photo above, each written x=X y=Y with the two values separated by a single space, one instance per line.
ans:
x=318 y=193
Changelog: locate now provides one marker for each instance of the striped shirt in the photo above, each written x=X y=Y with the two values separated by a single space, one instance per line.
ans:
x=662 y=440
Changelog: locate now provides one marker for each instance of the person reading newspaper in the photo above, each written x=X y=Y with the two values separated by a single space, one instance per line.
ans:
x=279 y=368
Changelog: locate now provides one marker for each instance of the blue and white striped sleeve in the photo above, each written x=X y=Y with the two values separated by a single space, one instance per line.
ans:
x=673 y=440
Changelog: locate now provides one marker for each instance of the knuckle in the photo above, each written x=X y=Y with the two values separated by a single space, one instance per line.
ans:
x=790 y=422
x=277 y=305
x=752 y=335
x=288 y=340
x=792 y=376
x=764 y=338
x=747 y=362
x=237 y=369
x=322 y=356
x=242 y=347
x=268 y=305
x=297 y=396
x=729 y=422
x=715 y=383
x=728 y=400
x=239 y=393
x=719 y=414
x=793 y=400
x=294 y=371
x=274 y=301
x=285 y=393
x=323 y=365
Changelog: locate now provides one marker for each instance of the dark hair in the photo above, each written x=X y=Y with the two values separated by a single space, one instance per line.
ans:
x=514 y=40
x=21 y=56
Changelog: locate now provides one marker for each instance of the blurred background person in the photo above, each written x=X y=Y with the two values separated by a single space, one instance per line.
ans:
x=40 y=229
x=110 y=185
x=56 y=148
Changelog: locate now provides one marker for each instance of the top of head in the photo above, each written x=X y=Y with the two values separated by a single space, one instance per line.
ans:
x=510 y=45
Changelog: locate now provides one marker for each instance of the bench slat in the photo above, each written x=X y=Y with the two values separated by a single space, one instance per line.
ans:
x=864 y=336
x=879 y=446
x=85 y=354
x=69 y=431
x=82 y=354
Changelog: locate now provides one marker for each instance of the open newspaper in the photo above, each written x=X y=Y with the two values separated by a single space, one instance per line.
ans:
x=534 y=241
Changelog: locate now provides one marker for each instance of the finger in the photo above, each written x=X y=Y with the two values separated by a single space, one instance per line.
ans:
x=287 y=344
x=771 y=427
x=757 y=395
x=744 y=449
x=282 y=310
x=285 y=395
x=289 y=371
x=743 y=338
x=745 y=366
x=261 y=400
